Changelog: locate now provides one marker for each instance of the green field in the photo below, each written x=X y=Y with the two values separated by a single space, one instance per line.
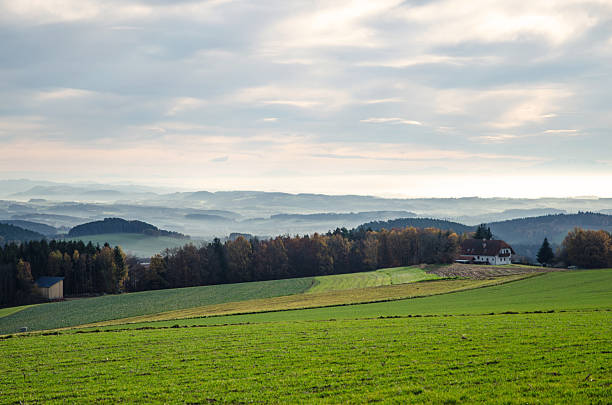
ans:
x=9 y=311
x=89 y=310
x=462 y=347
x=92 y=310
x=137 y=244
x=578 y=290
x=399 y=275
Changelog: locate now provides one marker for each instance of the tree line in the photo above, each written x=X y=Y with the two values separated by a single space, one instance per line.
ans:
x=581 y=248
x=341 y=251
x=90 y=269
x=87 y=269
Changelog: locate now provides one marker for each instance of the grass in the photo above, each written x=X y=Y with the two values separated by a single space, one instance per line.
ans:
x=399 y=275
x=137 y=244
x=509 y=359
x=324 y=299
x=111 y=307
x=89 y=310
x=577 y=290
x=9 y=311
x=462 y=347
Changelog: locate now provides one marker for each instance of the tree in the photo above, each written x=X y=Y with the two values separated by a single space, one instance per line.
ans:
x=588 y=249
x=483 y=232
x=545 y=254
x=24 y=276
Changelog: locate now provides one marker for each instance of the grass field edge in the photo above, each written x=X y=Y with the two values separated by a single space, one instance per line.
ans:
x=516 y=277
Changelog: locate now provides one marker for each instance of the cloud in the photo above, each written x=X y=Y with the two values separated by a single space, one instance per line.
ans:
x=300 y=97
x=182 y=104
x=391 y=121
x=61 y=94
x=220 y=159
x=569 y=132
x=430 y=60
x=167 y=87
x=486 y=21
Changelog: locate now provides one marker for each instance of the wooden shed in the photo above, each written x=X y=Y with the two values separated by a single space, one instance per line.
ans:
x=51 y=288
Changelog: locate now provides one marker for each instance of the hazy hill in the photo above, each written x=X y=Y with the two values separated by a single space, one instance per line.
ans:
x=119 y=225
x=418 y=223
x=12 y=233
x=44 y=229
x=554 y=227
x=507 y=215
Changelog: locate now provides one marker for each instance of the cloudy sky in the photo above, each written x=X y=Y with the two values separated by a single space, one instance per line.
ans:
x=386 y=97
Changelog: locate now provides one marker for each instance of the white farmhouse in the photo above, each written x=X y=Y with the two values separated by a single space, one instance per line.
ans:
x=484 y=251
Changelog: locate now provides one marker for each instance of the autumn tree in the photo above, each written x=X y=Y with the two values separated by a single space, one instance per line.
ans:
x=239 y=255
x=588 y=249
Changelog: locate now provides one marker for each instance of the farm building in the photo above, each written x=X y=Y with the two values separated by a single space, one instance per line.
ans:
x=51 y=287
x=484 y=251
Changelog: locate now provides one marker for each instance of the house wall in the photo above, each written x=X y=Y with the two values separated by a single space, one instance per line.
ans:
x=493 y=259
x=56 y=291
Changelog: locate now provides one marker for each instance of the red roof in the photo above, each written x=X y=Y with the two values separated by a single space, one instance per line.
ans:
x=479 y=247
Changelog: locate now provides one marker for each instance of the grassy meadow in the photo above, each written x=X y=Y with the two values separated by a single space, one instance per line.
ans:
x=544 y=338
x=88 y=310
x=564 y=291
x=190 y=301
x=398 y=275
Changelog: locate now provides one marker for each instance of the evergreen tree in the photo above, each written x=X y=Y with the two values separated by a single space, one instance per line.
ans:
x=545 y=254
x=483 y=232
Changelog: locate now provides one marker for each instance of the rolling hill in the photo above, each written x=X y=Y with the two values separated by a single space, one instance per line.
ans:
x=418 y=223
x=119 y=225
x=44 y=229
x=12 y=233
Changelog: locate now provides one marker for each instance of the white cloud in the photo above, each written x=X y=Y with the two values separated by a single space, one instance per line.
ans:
x=391 y=121
x=61 y=94
x=340 y=23
x=182 y=104
x=485 y=21
x=430 y=60
x=300 y=97
x=561 y=131
x=385 y=100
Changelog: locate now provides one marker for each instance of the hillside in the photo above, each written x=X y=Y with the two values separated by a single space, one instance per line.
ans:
x=44 y=229
x=12 y=233
x=119 y=225
x=554 y=227
x=539 y=340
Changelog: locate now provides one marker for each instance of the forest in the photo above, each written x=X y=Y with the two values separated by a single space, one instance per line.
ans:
x=92 y=269
x=87 y=269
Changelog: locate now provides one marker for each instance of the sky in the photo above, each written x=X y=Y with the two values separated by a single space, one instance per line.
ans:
x=416 y=98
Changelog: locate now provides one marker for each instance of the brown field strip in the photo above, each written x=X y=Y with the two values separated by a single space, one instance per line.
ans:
x=317 y=300
x=481 y=272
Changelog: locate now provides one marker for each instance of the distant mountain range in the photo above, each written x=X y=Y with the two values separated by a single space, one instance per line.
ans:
x=208 y=214
x=524 y=234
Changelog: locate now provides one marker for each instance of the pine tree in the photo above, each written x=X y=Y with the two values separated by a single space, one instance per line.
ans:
x=483 y=232
x=545 y=254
